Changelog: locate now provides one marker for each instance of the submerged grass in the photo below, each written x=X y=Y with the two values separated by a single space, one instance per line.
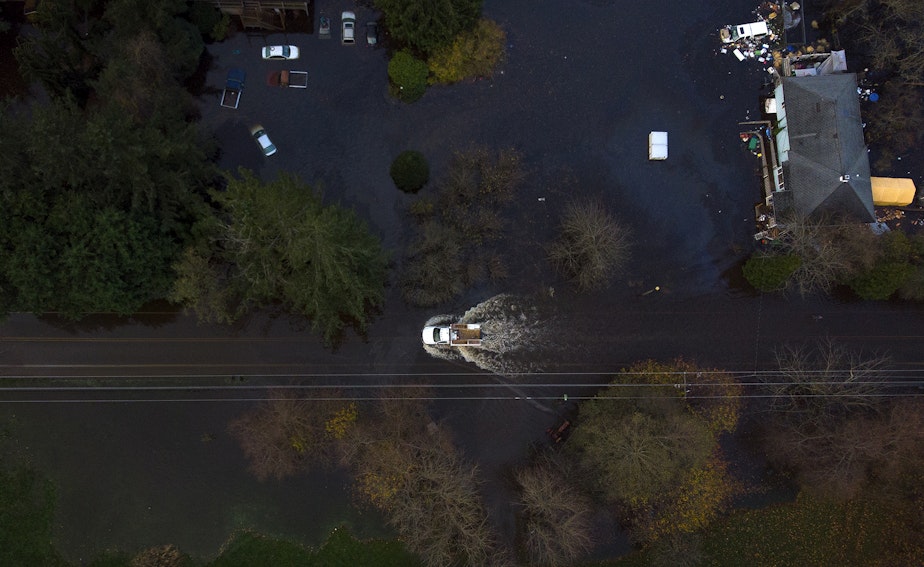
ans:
x=27 y=503
x=806 y=531
x=26 y=516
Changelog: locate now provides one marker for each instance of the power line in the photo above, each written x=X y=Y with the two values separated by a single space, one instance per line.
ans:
x=411 y=398
x=538 y=373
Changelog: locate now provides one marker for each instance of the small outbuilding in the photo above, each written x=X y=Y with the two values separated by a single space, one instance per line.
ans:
x=657 y=146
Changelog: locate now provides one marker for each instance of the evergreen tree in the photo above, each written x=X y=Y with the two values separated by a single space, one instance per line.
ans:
x=277 y=242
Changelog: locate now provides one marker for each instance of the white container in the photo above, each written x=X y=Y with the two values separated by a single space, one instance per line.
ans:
x=657 y=146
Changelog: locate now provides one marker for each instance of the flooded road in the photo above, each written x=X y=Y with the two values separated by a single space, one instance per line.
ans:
x=582 y=85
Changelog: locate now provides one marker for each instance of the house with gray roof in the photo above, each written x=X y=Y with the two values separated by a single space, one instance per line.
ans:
x=823 y=161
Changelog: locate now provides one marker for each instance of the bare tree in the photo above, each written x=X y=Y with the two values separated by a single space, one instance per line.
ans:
x=556 y=517
x=828 y=380
x=826 y=422
x=831 y=250
x=892 y=33
x=591 y=247
x=449 y=253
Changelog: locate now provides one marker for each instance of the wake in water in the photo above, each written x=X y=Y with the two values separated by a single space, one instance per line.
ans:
x=511 y=330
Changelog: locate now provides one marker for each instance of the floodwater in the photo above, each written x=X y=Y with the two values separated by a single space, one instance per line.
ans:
x=582 y=85
x=131 y=476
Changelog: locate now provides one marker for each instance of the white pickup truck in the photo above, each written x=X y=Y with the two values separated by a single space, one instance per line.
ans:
x=455 y=335
x=744 y=31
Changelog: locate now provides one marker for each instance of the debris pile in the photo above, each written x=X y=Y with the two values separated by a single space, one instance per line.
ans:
x=759 y=40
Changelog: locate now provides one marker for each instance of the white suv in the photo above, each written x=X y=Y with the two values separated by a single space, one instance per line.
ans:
x=349 y=28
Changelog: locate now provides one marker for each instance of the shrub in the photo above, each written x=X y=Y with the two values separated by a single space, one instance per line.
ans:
x=591 y=246
x=221 y=29
x=473 y=53
x=891 y=270
x=770 y=273
x=408 y=76
x=450 y=252
x=422 y=210
x=882 y=281
x=434 y=271
x=410 y=171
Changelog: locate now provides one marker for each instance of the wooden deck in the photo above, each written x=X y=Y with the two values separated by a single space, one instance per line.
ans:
x=263 y=14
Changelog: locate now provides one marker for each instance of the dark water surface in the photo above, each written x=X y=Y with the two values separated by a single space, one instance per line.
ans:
x=131 y=476
x=582 y=85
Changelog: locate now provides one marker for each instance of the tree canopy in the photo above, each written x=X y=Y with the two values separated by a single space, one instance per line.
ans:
x=92 y=207
x=277 y=242
x=100 y=185
x=425 y=25
x=653 y=448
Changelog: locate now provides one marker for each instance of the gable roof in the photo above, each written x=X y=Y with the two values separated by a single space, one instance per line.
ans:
x=828 y=165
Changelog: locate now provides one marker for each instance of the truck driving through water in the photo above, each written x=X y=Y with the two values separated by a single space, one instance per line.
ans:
x=455 y=335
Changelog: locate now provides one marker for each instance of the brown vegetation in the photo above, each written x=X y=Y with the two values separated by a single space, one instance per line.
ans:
x=556 y=517
x=827 y=422
x=407 y=467
x=591 y=246
x=163 y=556
x=452 y=250
x=285 y=435
x=831 y=250
x=892 y=33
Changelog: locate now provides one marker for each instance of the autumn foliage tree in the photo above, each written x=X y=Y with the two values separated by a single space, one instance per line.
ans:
x=406 y=466
x=285 y=434
x=473 y=53
x=652 y=448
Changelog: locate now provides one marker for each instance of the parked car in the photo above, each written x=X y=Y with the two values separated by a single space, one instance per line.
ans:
x=349 y=28
x=280 y=52
x=372 y=33
x=260 y=135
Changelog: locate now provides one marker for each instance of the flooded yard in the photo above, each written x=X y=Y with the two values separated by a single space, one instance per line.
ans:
x=582 y=85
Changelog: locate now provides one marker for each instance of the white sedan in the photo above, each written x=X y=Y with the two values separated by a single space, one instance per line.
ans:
x=280 y=52
x=262 y=138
